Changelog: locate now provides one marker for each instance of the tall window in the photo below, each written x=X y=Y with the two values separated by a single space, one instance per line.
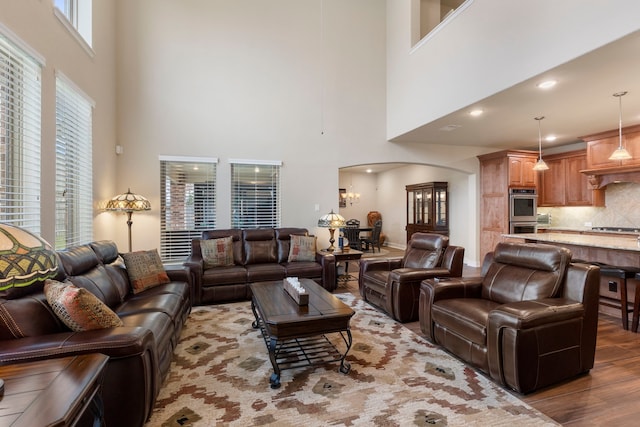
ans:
x=188 y=204
x=255 y=194
x=77 y=15
x=19 y=136
x=74 y=188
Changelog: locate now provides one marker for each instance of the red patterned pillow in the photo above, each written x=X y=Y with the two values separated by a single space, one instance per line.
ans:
x=78 y=308
x=302 y=248
x=145 y=270
x=217 y=252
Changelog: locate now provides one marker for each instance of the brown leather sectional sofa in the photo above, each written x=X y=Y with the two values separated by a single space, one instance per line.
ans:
x=259 y=255
x=140 y=352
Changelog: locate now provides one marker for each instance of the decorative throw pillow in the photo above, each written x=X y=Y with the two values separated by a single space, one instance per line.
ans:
x=302 y=248
x=217 y=252
x=78 y=308
x=145 y=270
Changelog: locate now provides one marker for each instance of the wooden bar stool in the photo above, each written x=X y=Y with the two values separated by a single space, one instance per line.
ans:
x=621 y=273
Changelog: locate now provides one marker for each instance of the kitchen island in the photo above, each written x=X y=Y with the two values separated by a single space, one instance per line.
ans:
x=592 y=246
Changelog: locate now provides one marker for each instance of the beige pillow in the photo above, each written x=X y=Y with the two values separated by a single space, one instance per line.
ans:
x=302 y=248
x=78 y=308
x=217 y=252
x=145 y=270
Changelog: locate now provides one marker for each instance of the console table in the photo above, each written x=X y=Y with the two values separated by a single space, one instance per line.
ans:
x=53 y=392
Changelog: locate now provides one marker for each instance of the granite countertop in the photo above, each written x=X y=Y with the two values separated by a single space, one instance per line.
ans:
x=548 y=228
x=593 y=240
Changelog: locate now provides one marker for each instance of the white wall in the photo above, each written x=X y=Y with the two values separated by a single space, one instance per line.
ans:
x=35 y=24
x=302 y=81
x=489 y=47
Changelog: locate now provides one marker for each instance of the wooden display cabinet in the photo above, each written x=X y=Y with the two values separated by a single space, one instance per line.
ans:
x=427 y=208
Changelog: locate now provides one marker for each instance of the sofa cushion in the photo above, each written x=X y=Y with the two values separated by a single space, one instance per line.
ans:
x=29 y=316
x=259 y=246
x=236 y=234
x=78 y=308
x=302 y=248
x=145 y=270
x=217 y=252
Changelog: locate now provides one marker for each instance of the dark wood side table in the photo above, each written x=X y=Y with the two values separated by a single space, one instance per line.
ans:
x=344 y=256
x=53 y=392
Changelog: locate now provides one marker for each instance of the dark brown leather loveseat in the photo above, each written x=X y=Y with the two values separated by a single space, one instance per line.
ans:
x=258 y=255
x=530 y=320
x=140 y=352
x=393 y=284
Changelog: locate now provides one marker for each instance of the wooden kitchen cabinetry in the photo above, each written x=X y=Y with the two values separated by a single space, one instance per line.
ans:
x=600 y=170
x=564 y=185
x=601 y=145
x=500 y=171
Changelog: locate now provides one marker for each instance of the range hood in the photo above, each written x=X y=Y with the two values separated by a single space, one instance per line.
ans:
x=600 y=178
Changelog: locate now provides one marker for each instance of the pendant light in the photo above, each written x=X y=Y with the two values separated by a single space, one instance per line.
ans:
x=540 y=164
x=620 y=153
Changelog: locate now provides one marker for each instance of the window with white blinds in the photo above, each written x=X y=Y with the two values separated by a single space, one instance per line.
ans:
x=188 y=203
x=255 y=194
x=20 y=98
x=74 y=171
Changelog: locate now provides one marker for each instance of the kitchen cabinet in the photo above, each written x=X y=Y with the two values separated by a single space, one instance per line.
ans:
x=563 y=184
x=601 y=145
x=500 y=171
x=427 y=208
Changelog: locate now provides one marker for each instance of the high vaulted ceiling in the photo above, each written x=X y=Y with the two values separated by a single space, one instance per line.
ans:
x=581 y=103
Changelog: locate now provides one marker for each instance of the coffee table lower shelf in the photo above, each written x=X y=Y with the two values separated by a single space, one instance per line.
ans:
x=303 y=351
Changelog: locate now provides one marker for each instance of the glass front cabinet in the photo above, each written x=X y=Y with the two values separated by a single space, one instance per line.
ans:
x=427 y=208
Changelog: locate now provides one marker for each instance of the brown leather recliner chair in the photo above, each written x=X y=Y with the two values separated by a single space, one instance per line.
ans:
x=529 y=321
x=393 y=284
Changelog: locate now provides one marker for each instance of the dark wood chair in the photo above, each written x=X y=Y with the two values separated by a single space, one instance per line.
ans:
x=374 y=239
x=352 y=233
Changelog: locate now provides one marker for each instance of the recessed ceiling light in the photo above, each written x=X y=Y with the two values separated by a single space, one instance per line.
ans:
x=550 y=138
x=476 y=113
x=369 y=171
x=449 y=128
x=547 y=84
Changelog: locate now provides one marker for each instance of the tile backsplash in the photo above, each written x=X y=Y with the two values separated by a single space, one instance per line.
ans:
x=622 y=209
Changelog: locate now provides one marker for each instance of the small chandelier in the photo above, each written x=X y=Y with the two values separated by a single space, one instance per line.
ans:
x=540 y=164
x=620 y=153
x=351 y=196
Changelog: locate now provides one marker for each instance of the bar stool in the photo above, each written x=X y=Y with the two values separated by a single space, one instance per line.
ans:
x=621 y=273
x=636 y=307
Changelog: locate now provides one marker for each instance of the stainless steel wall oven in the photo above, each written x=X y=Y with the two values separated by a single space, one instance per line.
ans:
x=523 y=210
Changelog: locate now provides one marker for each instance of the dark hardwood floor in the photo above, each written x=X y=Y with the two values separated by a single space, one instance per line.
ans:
x=609 y=395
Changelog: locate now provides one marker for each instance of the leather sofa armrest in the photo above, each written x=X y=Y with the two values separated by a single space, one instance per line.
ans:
x=196 y=264
x=432 y=290
x=328 y=263
x=182 y=273
x=379 y=264
x=416 y=275
x=117 y=342
x=526 y=338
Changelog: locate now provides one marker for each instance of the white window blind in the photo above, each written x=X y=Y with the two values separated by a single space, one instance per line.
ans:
x=255 y=194
x=20 y=97
x=188 y=203
x=74 y=167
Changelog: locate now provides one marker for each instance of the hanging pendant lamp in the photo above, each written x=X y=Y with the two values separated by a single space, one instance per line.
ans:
x=540 y=164
x=620 y=153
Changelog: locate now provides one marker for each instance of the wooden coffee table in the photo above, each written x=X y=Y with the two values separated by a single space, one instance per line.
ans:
x=298 y=335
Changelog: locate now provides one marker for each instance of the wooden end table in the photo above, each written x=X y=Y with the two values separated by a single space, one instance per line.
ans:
x=296 y=335
x=344 y=256
x=53 y=392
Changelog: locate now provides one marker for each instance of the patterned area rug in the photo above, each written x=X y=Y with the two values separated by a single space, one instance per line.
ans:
x=220 y=376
